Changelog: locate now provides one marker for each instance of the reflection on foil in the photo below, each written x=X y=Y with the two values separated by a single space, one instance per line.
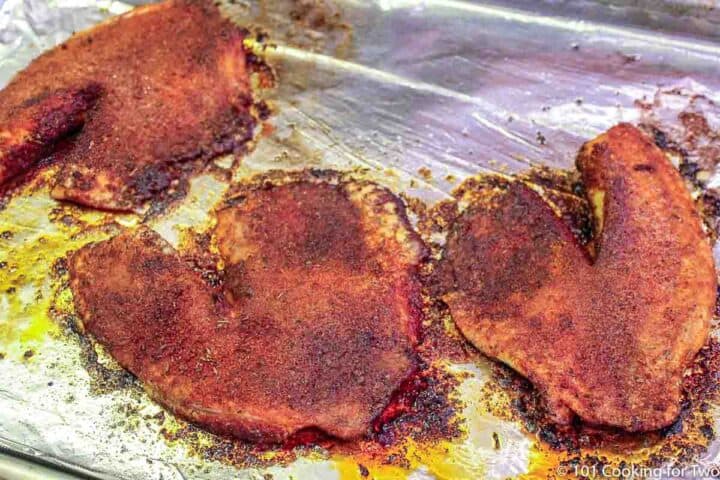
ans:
x=27 y=27
x=421 y=93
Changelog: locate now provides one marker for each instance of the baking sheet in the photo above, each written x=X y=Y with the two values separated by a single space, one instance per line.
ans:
x=423 y=94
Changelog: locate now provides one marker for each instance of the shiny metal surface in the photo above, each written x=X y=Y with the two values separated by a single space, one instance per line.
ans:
x=452 y=86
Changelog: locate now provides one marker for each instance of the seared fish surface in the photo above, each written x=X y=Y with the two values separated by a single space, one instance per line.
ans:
x=607 y=332
x=316 y=327
x=153 y=93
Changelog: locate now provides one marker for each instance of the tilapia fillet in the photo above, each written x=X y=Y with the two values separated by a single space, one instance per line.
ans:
x=149 y=96
x=315 y=327
x=605 y=335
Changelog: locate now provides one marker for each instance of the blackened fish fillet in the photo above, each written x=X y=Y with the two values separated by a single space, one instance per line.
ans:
x=172 y=91
x=316 y=329
x=605 y=336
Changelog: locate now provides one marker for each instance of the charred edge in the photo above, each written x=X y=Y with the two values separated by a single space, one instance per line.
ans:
x=688 y=169
x=103 y=379
x=421 y=409
x=277 y=178
x=267 y=79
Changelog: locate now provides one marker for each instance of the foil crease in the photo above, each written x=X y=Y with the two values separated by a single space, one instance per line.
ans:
x=450 y=86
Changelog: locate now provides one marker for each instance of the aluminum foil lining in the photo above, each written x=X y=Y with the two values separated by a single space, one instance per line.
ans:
x=423 y=94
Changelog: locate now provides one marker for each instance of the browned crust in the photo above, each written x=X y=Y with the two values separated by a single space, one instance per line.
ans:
x=609 y=338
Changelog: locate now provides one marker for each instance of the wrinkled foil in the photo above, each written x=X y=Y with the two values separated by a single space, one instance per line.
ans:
x=450 y=86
